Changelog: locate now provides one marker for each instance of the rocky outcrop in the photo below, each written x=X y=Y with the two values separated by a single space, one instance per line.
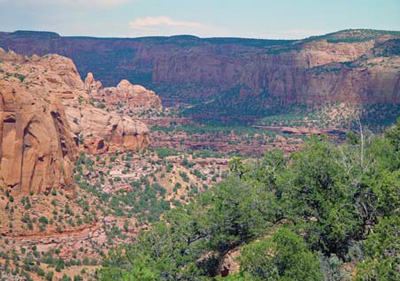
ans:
x=46 y=115
x=95 y=129
x=136 y=97
x=91 y=85
x=37 y=149
x=100 y=131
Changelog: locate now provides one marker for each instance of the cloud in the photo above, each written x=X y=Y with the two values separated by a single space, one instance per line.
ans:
x=162 y=21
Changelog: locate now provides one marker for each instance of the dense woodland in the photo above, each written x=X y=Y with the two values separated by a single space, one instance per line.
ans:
x=328 y=212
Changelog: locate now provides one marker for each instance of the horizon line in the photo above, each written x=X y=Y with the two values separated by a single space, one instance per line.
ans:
x=191 y=35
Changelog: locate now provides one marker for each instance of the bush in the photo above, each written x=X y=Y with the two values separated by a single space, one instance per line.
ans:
x=383 y=249
x=49 y=275
x=43 y=220
x=281 y=212
x=284 y=256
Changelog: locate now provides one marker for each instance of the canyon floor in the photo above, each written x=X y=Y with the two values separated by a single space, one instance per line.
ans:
x=68 y=233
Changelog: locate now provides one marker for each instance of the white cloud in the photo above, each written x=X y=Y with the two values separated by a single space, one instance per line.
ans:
x=151 y=22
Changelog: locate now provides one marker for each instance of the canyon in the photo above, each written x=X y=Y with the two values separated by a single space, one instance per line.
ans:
x=69 y=150
x=233 y=79
x=86 y=164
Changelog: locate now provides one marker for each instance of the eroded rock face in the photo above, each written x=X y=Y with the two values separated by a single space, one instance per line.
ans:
x=136 y=97
x=45 y=116
x=37 y=149
x=102 y=131
x=96 y=130
x=91 y=85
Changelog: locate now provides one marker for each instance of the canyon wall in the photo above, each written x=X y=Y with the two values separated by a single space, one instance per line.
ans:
x=345 y=66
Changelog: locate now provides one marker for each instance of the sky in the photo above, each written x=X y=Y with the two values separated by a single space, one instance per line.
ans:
x=273 y=19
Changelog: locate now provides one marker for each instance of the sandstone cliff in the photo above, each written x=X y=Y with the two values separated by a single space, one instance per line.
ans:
x=37 y=149
x=100 y=131
x=46 y=115
x=233 y=76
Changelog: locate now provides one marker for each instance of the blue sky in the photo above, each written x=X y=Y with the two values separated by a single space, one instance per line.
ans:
x=205 y=18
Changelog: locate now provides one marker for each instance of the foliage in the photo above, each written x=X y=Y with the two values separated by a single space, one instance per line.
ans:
x=165 y=152
x=293 y=218
x=283 y=256
x=383 y=248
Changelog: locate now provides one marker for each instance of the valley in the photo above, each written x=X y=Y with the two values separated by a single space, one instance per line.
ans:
x=239 y=81
x=117 y=184
x=127 y=144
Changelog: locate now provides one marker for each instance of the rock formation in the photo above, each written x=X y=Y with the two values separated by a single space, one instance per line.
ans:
x=136 y=97
x=231 y=78
x=45 y=115
x=101 y=131
x=37 y=149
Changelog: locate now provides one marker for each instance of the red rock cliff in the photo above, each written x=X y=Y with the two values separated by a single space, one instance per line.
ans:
x=45 y=115
x=37 y=149
x=354 y=66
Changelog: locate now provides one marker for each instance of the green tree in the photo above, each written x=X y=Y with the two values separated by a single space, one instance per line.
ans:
x=283 y=256
x=383 y=249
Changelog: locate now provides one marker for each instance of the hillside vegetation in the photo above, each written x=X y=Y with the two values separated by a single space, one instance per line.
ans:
x=328 y=212
x=354 y=35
